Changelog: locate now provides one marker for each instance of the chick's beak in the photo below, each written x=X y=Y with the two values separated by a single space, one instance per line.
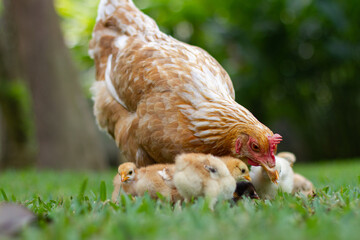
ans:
x=123 y=177
x=254 y=196
x=235 y=195
x=247 y=177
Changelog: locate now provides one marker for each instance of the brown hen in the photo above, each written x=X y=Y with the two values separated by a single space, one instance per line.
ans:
x=158 y=97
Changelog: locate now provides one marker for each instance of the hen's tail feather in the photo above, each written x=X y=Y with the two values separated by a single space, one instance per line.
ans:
x=117 y=20
x=125 y=17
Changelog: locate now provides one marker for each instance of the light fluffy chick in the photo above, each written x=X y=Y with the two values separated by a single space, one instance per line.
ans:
x=265 y=188
x=237 y=168
x=303 y=185
x=288 y=156
x=153 y=179
x=199 y=174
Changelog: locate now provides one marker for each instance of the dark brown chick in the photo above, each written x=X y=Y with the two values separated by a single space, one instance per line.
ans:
x=245 y=189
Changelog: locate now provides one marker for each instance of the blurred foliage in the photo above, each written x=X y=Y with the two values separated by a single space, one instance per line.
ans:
x=16 y=94
x=294 y=63
x=77 y=21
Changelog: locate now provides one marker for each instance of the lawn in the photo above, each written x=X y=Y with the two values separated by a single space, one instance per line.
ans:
x=70 y=206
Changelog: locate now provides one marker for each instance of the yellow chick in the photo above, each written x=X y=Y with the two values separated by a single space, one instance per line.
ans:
x=237 y=168
x=124 y=179
x=153 y=179
x=199 y=174
x=303 y=185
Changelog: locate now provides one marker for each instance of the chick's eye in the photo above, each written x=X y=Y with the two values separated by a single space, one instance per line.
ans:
x=211 y=169
x=242 y=170
x=131 y=172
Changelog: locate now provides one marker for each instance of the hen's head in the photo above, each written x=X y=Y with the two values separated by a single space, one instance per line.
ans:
x=258 y=146
x=127 y=172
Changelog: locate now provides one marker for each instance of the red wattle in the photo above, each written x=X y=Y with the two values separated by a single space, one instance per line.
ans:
x=252 y=163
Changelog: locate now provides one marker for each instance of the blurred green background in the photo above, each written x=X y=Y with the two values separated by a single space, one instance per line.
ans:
x=295 y=64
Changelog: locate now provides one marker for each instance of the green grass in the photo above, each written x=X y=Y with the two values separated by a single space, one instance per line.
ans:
x=70 y=206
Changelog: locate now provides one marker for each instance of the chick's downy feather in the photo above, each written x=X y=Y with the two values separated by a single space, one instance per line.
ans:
x=152 y=179
x=265 y=187
x=237 y=168
x=158 y=97
x=203 y=175
x=303 y=185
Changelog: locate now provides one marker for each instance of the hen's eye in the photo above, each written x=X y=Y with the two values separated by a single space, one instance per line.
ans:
x=255 y=147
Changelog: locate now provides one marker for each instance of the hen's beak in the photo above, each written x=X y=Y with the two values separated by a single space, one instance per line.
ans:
x=247 y=177
x=272 y=173
x=274 y=178
x=123 y=177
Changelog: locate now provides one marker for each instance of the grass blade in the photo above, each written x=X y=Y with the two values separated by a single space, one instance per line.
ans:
x=4 y=195
x=103 y=191
x=82 y=190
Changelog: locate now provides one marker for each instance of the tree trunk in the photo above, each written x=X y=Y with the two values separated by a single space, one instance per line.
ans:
x=65 y=128
x=16 y=139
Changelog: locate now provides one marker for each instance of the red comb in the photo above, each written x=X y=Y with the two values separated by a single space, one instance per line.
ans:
x=273 y=141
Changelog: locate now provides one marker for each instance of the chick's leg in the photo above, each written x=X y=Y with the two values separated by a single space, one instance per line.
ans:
x=211 y=192
x=117 y=186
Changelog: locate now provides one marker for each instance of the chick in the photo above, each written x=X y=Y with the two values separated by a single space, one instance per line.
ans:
x=265 y=187
x=303 y=185
x=125 y=178
x=245 y=189
x=199 y=174
x=237 y=168
x=290 y=157
x=153 y=179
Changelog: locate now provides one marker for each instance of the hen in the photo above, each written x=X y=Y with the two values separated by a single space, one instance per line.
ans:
x=158 y=97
